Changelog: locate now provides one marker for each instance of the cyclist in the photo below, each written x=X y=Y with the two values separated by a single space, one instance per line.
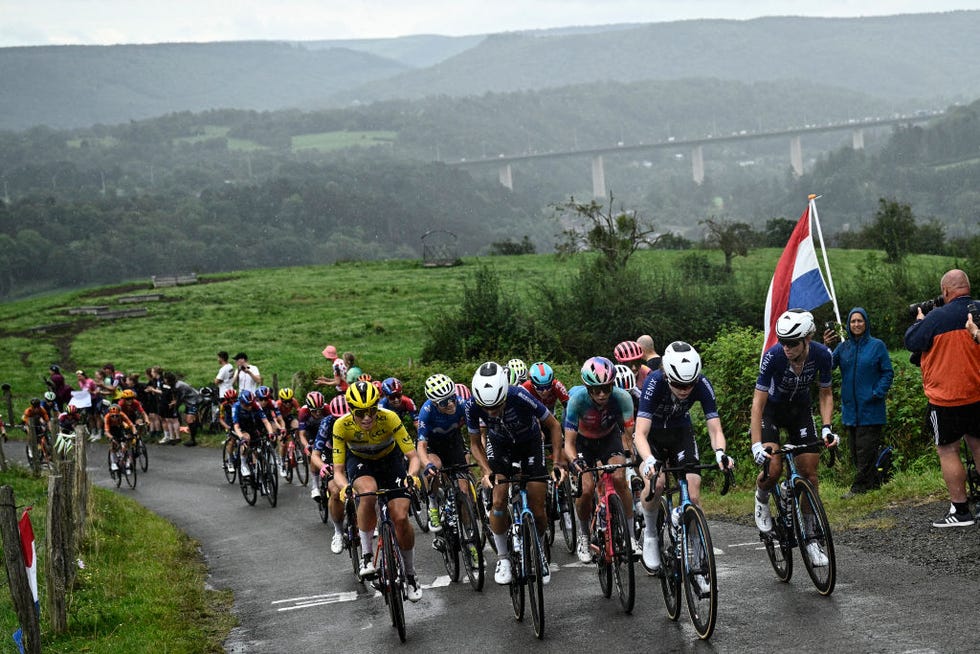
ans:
x=309 y=418
x=36 y=410
x=514 y=422
x=541 y=383
x=50 y=403
x=321 y=460
x=116 y=425
x=664 y=432
x=132 y=407
x=626 y=380
x=598 y=429
x=517 y=371
x=441 y=426
x=246 y=417
x=288 y=408
x=370 y=448
x=782 y=401
x=224 y=411
x=394 y=399
x=630 y=354
x=266 y=402
x=462 y=393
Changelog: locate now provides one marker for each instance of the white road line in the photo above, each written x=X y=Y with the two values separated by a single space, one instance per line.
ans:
x=316 y=600
x=749 y=544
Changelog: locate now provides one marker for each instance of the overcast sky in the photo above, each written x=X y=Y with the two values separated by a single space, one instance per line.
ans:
x=99 y=22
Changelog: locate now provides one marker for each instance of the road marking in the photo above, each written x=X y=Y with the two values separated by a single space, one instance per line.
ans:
x=316 y=600
x=749 y=544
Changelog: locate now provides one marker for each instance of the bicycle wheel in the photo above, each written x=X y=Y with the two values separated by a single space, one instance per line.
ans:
x=392 y=580
x=551 y=509
x=229 y=463
x=117 y=474
x=603 y=561
x=670 y=568
x=567 y=517
x=778 y=542
x=813 y=535
x=302 y=464
x=470 y=540
x=352 y=540
x=517 y=580
x=534 y=567
x=143 y=455
x=450 y=549
x=248 y=483
x=622 y=564
x=322 y=505
x=129 y=468
x=270 y=479
x=700 y=583
x=420 y=508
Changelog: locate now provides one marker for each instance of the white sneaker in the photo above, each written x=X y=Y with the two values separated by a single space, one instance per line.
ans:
x=546 y=574
x=230 y=467
x=245 y=472
x=817 y=557
x=282 y=472
x=315 y=492
x=651 y=552
x=337 y=543
x=114 y=467
x=763 y=518
x=701 y=584
x=164 y=440
x=413 y=592
x=367 y=567
x=582 y=549
x=502 y=575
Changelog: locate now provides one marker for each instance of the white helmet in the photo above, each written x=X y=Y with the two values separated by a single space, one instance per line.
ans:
x=490 y=384
x=625 y=378
x=682 y=363
x=795 y=323
x=517 y=370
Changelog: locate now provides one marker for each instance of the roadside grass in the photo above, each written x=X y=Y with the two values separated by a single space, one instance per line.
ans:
x=142 y=588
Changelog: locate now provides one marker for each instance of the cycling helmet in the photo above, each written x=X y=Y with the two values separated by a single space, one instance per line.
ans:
x=246 y=397
x=128 y=394
x=338 y=406
x=114 y=409
x=628 y=351
x=438 y=387
x=231 y=395
x=625 y=378
x=365 y=377
x=49 y=396
x=490 y=384
x=377 y=385
x=541 y=375
x=795 y=323
x=598 y=371
x=681 y=363
x=54 y=368
x=362 y=395
x=391 y=385
x=314 y=400
x=263 y=392
x=35 y=402
x=285 y=393
x=462 y=392
x=517 y=370
x=72 y=410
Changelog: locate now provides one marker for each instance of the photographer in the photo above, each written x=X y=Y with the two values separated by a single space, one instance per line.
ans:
x=951 y=380
x=247 y=376
x=866 y=376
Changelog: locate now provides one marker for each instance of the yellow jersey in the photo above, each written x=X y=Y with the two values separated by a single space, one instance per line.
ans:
x=387 y=433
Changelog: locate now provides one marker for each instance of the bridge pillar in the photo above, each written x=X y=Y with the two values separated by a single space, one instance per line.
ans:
x=796 y=156
x=697 y=164
x=506 y=177
x=598 y=177
x=857 y=139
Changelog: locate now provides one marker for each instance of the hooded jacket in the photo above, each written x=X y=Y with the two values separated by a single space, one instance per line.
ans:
x=866 y=375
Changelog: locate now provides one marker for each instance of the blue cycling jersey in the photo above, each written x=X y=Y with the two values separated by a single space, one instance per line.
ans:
x=440 y=428
x=247 y=415
x=776 y=376
x=324 y=434
x=659 y=405
x=592 y=421
x=519 y=423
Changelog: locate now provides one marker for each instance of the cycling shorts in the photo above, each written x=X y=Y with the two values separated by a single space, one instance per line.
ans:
x=502 y=453
x=796 y=419
x=386 y=471
x=675 y=445
x=450 y=454
x=595 y=450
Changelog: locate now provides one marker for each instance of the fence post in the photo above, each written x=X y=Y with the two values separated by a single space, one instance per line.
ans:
x=59 y=546
x=10 y=420
x=20 y=590
x=81 y=483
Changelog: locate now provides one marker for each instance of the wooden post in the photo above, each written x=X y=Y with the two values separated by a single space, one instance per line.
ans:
x=3 y=457
x=81 y=493
x=9 y=401
x=20 y=590
x=59 y=547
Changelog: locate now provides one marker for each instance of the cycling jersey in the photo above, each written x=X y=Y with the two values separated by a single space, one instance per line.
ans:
x=592 y=421
x=117 y=424
x=247 y=416
x=520 y=421
x=406 y=408
x=308 y=422
x=270 y=409
x=441 y=431
x=288 y=408
x=557 y=393
x=133 y=409
x=385 y=435
x=39 y=413
x=187 y=395
x=324 y=436
x=666 y=411
x=784 y=386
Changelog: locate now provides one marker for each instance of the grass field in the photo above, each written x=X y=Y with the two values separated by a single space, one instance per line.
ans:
x=327 y=141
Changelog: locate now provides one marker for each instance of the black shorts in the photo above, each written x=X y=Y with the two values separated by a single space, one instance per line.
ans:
x=949 y=424
x=595 y=450
x=503 y=454
x=796 y=419
x=676 y=445
x=387 y=471
x=450 y=454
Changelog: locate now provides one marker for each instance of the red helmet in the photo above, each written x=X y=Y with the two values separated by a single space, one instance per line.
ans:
x=463 y=392
x=338 y=406
x=314 y=400
x=231 y=395
x=628 y=351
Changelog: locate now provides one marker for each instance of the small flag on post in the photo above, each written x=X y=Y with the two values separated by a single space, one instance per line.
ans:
x=797 y=282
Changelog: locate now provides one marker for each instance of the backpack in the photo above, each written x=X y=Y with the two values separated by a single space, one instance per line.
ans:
x=883 y=464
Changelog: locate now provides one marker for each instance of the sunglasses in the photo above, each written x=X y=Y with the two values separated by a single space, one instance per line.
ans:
x=395 y=397
x=365 y=413
x=543 y=389
x=682 y=387
x=442 y=404
x=790 y=342
x=605 y=389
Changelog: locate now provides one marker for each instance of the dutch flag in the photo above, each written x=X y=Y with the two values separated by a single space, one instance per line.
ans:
x=29 y=551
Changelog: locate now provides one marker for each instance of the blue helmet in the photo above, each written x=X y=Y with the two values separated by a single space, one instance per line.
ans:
x=263 y=392
x=391 y=385
x=246 y=397
x=541 y=375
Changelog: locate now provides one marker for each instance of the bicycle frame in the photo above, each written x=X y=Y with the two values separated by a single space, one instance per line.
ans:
x=601 y=527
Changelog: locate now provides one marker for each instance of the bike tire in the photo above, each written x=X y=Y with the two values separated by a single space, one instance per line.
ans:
x=700 y=582
x=451 y=550
x=603 y=561
x=392 y=580
x=302 y=465
x=812 y=527
x=517 y=582
x=551 y=509
x=471 y=541
x=624 y=573
x=130 y=469
x=534 y=567
x=229 y=460
x=567 y=517
x=271 y=479
x=420 y=508
x=352 y=540
x=670 y=569
x=143 y=455
x=117 y=475
x=248 y=484
x=322 y=505
x=778 y=542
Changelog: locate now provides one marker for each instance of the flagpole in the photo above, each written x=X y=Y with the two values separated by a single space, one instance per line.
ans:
x=823 y=249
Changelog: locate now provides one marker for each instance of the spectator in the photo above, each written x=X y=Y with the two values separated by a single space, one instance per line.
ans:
x=353 y=371
x=950 y=364
x=226 y=374
x=187 y=395
x=337 y=367
x=247 y=376
x=56 y=383
x=650 y=356
x=866 y=376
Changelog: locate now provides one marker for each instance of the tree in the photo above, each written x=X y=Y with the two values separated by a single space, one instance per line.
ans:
x=732 y=238
x=778 y=231
x=893 y=230
x=614 y=235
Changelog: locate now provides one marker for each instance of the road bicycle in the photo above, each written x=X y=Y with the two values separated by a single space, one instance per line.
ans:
x=262 y=478
x=209 y=409
x=296 y=460
x=322 y=480
x=799 y=520
x=125 y=464
x=390 y=578
x=526 y=552
x=351 y=538
x=685 y=549
x=41 y=447
x=609 y=536
x=461 y=536
x=138 y=444
x=560 y=502
x=418 y=497
x=230 y=457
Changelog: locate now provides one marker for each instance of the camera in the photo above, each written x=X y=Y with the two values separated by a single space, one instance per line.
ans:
x=974 y=310
x=926 y=306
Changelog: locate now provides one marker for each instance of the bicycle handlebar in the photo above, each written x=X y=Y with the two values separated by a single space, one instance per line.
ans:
x=606 y=467
x=729 y=475
x=813 y=447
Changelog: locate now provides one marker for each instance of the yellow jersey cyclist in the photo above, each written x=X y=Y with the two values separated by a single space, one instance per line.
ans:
x=370 y=449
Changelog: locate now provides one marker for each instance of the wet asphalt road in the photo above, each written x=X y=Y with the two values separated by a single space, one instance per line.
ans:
x=293 y=595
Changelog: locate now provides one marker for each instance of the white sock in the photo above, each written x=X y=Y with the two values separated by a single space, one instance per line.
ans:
x=650 y=522
x=500 y=540
x=338 y=526
x=367 y=541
